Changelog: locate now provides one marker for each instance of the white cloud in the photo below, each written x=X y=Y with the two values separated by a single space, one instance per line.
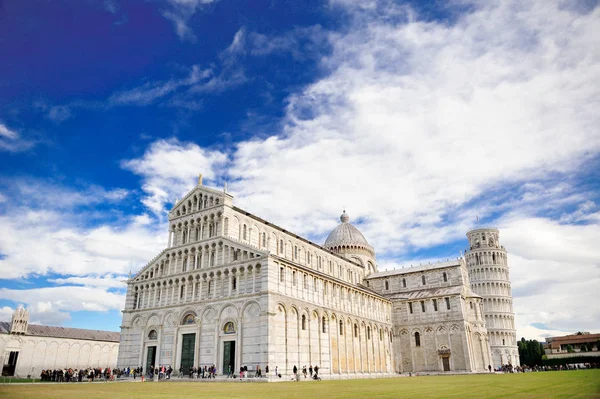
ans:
x=149 y=92
x=169 y=169
x=107 y=281
x=59 y=113
x=71 y=236
x=421 y=125
x=180 y=12
x=6 y=313
x=52 y=305
x=11 y=140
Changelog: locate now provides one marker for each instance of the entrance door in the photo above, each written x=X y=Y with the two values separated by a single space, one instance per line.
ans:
x=10 y=364
x=150 y=359
x=188 y=344
x=228 y=356
x=446 y=362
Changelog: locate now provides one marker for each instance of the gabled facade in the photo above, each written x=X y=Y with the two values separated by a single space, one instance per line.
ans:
x=232 y=289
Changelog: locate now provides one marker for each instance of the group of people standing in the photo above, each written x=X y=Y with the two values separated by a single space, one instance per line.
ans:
x=314 y=376
x=76 y=375
x=199 y=372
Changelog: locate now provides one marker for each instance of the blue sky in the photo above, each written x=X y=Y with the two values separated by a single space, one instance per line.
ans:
x=414 y=116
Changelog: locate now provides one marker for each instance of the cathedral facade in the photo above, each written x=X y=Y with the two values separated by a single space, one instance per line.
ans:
x=231 y=290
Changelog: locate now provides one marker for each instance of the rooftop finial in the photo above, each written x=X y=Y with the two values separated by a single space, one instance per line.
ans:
x=200 y=179
x=225 y=188
x=344 y=218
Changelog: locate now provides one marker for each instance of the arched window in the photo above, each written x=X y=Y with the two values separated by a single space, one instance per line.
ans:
x=417 y=339
x=234 y=283
x=404 y=283
x=503 y=343
x=423 y=280
x=323 y=325
x=387 y=285
x=341 y=327
x=244 y=235
x=153 y=334
x=303 y=322
x=445 y=276
x=368 y=332
x=355 y=331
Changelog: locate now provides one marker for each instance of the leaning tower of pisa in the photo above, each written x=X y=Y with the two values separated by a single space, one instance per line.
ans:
x=490 y=278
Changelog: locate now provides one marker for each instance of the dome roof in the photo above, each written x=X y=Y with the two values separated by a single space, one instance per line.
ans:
x=345 y=235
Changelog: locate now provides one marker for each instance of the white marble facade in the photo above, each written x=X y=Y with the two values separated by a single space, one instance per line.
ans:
x=27 y=349
x=233 y=289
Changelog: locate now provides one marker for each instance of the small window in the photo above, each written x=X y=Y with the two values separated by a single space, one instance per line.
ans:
x=245 y=232
x=181 y=292
x=448 y=303
x=417 y=339
x=303 y=322
x=471 y=305
x=355 y=331
x=153 y=335
x=209 y=287
x=387 y=285
x=503 y=342
x=294 y=279
x=234 y=283
x=445 y=276
x=341 y=327
x=410 y=307
x=323 y=325
x=423 y=306
x=305 y=281
x=423 y=280
x=404 y=283
x=435 y=308
x=368 y=332
x=281 y=274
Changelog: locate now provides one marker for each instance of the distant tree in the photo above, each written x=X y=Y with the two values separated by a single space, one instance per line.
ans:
x=530 y=352
x=598 y=345
x=570 y=349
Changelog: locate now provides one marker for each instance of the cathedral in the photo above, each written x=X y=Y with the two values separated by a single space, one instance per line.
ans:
x=231 y=289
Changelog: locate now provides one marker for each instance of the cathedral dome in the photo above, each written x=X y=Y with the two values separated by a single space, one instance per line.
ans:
x=346 y=235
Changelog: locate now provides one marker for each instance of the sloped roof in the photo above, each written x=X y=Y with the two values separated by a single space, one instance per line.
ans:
x=414 y=269
x=431 y=292
x=65 y=332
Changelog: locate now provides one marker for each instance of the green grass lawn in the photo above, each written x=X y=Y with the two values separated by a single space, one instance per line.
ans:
x=558 y=384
